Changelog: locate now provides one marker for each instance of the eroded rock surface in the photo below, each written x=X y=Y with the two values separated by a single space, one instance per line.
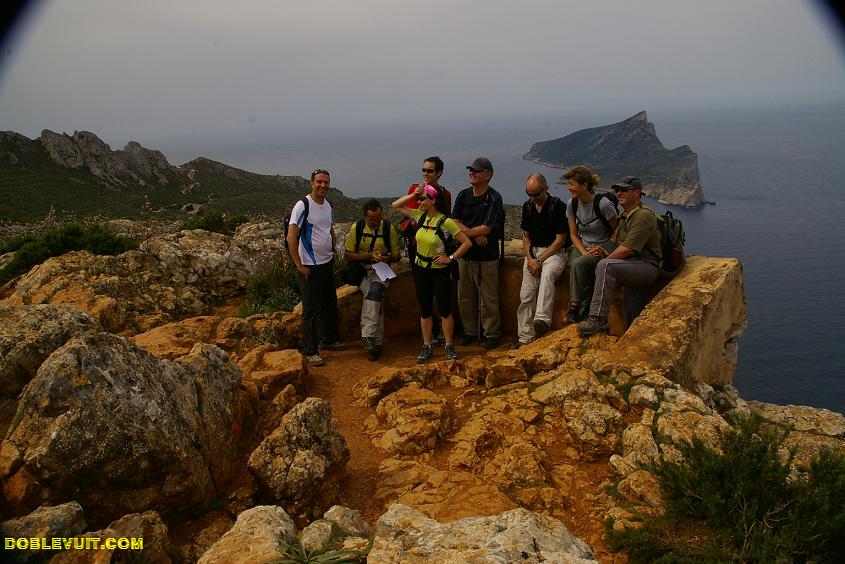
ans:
x=258 y=535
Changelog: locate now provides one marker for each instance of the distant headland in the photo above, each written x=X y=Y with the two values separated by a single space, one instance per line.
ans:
x=630 y=147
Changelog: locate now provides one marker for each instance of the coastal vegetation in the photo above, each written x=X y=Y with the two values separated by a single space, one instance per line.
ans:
x=30 y=250
x=746 y=503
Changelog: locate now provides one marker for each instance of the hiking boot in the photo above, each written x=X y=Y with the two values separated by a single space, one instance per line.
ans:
x=315 y=360
x=374 y=353
x=540 y=328
x=573 y=315
x=517 y=344
x=425 y=355
x=336 y=346
x=368 y=343
x=492 y=343
x=450 y=353
x=468 y=340
x=593 y=325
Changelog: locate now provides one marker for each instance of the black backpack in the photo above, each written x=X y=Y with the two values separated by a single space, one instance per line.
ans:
x=672 y=239
x=597 y=208
x=359 y=235
x=552 y=202
x=353 y=273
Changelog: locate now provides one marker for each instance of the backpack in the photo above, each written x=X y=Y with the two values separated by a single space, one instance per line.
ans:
x=409 y=228
x=597 y=208
x=672 y=239
x=354 y=272
x=450 y=245
x=287 y=222
x=552 y=202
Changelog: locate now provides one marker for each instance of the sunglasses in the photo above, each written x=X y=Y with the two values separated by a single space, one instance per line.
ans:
x=423 y=198
x=534 y=194
x=428 y=171
x=619 y=189
x=319 y=171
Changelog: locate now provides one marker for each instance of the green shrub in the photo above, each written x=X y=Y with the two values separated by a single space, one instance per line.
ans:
x=16 y=243
x=273 y=288
x=745 y=502
x=216 y=222
x=73 y=237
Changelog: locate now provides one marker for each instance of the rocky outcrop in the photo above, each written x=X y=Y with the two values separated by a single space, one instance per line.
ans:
x=630 y=147
x=299 y=464
x=110 y=426
x=415 y=419
x=259 y=535
x=169 y=277
x=84 y=150
x=28 y=335
x=63 y=521
x=404 y=534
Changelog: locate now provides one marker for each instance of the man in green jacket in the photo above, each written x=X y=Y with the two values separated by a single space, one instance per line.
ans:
x=633 y=264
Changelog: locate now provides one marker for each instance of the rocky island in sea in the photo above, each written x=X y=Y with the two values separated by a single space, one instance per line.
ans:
x=630 y=147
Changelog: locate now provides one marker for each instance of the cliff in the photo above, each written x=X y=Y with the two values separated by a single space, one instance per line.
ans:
x=630 y=147
x=495 y=455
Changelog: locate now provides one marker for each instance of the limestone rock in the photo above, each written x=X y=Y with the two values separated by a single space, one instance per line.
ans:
x=147 y=526
x=682 y=426
x=28 y=334
x=415 y=418
x=638 y=447
x=173 y=340
x=65 y=520
x=317 y=535
x=404 y=534
x=597 y=427
x=256 y=537
x=270 y=370
x=209 y=535
x=109 y=425
x=349 y=520
x=644 y=396
x=641 y=487
x=813 y=429
x=569 y=385
x=300 y=462
x=440 y=494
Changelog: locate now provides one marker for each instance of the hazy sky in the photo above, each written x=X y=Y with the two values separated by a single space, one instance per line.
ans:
x=189 y=68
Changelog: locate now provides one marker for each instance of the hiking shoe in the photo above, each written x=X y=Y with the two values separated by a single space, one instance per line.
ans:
x=492 y=343
x=517 y=344
x=450 y=353
x=369 y=343
x=540 y=328
x=425 y=355
x=573 y=315
x=374 y=353
x=593 y=325
x=336 y=346
x=468 y=340
x=315 y=360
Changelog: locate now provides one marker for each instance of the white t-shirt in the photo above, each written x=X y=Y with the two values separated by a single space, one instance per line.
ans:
x=315 y=238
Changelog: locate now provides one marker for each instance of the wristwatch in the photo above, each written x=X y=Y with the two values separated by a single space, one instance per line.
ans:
x=451 y=257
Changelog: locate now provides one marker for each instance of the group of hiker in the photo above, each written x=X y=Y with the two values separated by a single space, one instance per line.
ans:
x=611 y=240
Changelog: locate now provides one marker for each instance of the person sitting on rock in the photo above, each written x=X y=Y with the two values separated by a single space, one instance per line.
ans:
x=633 y=263
x=589 y=231
x=543 y=239
x=431 y=275
x=378 y=241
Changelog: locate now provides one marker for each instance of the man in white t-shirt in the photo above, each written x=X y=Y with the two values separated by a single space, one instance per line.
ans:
x=311 y=242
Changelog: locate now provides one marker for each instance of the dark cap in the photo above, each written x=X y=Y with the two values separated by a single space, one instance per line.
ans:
x=481 y=163
x=629 y=182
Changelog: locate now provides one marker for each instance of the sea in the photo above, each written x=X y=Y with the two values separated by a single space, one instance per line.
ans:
x=776 y=177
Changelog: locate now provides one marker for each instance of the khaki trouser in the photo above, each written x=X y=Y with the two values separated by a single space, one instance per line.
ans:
x=372 y=314
x=479 y=278
x=537 y=294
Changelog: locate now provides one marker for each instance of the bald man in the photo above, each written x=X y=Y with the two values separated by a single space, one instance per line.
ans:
x=544 y=230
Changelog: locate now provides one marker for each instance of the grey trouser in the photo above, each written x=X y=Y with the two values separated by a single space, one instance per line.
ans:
x=631 y=274
x=537 y=294
x=582 y=274
x=479 y=278
x=372 y=314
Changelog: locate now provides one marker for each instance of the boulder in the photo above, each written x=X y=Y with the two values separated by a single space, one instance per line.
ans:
x=257 y=536
x=406 y=535
x=28 y=334
x=415 y=419
x=596 y=426
x=65 y=520
x=349 y=521
x=300 y=463
x=109 y=425
x=270 y=370
x=147 y=526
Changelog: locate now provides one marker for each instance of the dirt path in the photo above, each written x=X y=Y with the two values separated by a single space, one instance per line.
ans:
x=334 y=382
